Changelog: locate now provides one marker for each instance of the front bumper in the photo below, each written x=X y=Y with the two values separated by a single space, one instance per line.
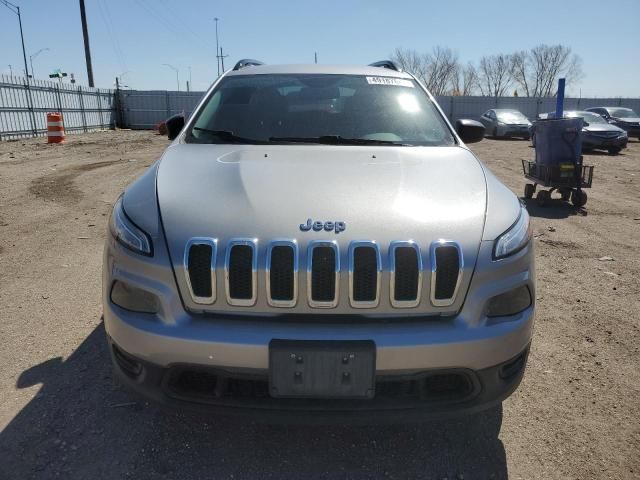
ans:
x=591 y=141
x=408 y=349
x=399 y=398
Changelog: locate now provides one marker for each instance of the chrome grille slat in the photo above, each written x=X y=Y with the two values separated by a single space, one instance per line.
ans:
x=401 y=276
x=365 y=274
x=195 y=287
x=241 y=269
x=449 y=271
x=320 y=296
x=280 y=277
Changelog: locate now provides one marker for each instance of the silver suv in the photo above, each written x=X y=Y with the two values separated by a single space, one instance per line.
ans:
x=319 y=240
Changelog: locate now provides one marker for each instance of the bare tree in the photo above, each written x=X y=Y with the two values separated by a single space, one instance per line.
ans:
x=495 y=75
x=465 y=80
x=537 y=71
x=436 y=69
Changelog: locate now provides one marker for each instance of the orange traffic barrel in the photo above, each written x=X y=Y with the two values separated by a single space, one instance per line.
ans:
x=55 y=128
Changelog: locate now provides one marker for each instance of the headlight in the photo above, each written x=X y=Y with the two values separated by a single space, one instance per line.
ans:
x=514 y=239
x=127 y=233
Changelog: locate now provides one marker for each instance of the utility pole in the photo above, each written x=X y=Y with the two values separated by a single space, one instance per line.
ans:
x=10 y=70
x=315 y=55
x=217 y=45
x=87 y=49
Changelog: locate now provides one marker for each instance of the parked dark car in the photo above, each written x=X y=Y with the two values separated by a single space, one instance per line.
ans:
x=505 y=122
x=621 y=117
x=597 y=133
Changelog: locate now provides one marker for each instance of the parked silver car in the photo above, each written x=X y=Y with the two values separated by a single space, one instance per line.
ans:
x=597 y=133
x=506 y=122
x=319 y=240
x=621 y=117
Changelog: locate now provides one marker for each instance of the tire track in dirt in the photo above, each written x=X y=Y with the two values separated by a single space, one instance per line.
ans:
x=60 y=186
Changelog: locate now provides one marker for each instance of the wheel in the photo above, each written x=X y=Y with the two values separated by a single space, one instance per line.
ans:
x=543 y=198
x=614 y=150
x=529 y=190
x=495 y=132
x=533 y=139
x=578 y=198
x=566 y=195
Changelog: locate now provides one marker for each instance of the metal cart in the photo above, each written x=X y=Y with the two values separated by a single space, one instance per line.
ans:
x=567 y=178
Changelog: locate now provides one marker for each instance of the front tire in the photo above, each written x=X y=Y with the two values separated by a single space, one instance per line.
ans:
x=614 y=150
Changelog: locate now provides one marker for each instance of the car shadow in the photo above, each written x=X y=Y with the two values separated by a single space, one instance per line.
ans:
x=555 y=209
x=81 y=425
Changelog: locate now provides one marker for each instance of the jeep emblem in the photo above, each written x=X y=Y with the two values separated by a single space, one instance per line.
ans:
x=318 y=226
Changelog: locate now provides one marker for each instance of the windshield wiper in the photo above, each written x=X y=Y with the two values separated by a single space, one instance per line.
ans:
x=229 y=136
x=336 y=140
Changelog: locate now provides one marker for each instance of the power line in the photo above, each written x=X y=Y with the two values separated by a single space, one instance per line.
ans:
x=106 y=18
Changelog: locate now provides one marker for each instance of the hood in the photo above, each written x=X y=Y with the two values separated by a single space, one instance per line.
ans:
x=628 y=120
x=602 y=127
x=266 y=192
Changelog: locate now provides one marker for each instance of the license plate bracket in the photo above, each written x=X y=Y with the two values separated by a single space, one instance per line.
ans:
x=322 y=369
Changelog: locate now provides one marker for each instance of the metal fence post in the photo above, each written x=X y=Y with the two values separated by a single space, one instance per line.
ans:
x=82 y=111
x=99 y=98
x=166 y=98
x=59 y=103
x=32 y=115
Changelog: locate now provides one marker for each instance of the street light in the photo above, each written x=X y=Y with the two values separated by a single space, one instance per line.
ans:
x=118 y=83
x=34 y=55
x=16 y=9
x=177 y=73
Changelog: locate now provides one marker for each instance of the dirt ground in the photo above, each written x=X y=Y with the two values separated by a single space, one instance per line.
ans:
x=575 y=416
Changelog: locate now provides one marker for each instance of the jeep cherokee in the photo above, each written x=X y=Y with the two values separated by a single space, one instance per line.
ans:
x=319 y=241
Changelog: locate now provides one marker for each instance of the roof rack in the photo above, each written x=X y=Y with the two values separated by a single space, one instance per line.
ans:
x=247 y=62
x=386 y=64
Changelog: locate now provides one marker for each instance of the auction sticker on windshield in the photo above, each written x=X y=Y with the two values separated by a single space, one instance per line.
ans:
x=396 y=82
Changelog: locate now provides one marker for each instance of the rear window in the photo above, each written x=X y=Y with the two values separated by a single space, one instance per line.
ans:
x=272 y=108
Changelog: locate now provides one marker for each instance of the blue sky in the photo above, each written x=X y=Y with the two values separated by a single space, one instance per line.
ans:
x=138 y=36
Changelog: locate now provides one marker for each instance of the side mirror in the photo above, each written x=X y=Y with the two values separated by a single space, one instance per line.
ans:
x=174 y=125
x=585 y=124
x=470 y=131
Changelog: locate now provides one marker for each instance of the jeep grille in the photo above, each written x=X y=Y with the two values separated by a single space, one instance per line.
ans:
x=323 y=273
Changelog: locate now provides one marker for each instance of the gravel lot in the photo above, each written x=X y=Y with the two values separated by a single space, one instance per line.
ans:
x=576 y=415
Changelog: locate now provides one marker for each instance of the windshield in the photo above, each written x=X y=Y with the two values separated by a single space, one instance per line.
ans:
x=349 y=109
x=624 y=113
x=588 y=117
x=511 y=116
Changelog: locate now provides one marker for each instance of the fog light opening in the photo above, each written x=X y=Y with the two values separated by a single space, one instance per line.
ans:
x=127 y=363
x=509 y=303
x=133 y=299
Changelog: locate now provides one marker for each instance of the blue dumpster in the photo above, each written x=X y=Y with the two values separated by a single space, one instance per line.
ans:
x=558 y=162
